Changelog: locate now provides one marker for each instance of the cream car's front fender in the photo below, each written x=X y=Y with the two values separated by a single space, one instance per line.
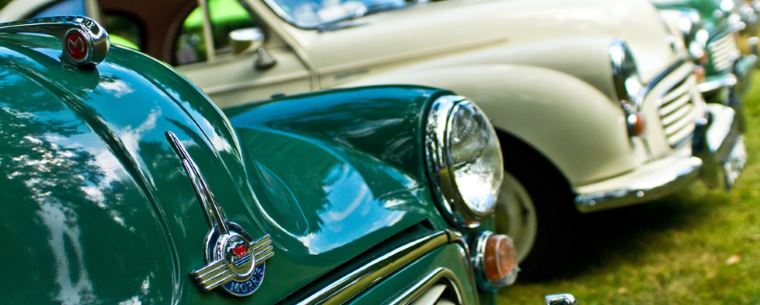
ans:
x=586 y=58
x=574 y=125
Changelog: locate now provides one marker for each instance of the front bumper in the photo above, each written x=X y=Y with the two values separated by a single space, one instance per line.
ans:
x=718 y=156
x=720 y=145
x=717 y=88
x=651 y=181
x=727 y=88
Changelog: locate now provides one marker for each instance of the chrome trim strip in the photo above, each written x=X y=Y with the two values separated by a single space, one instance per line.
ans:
x=436 y=276
x=357 y=281
x=211 y=209
x=654 y=188
x=659 y=78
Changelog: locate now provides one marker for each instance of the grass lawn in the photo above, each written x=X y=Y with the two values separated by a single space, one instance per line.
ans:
x=698 y=247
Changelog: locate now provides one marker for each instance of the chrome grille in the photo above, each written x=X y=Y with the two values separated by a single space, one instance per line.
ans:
x=677 y=113
x=724 y=52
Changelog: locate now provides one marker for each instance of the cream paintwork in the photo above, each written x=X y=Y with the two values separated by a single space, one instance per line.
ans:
x=560 y=46
x=16 y=9
x=540 y=70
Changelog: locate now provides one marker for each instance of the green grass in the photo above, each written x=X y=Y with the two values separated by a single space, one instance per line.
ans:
x=698 y=247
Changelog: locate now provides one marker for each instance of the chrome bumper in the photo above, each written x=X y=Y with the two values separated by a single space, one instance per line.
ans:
x=718 y=158
x=727 y=89
x=650 y=181
x=720 y=145
x=715 y=84
x=743 y=69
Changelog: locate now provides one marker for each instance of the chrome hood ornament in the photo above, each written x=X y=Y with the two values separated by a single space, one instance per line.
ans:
x=85 y=42
x=234 y=260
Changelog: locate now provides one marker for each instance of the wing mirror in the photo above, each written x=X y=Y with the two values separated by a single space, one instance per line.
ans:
x=248 y=39
x=252 y=40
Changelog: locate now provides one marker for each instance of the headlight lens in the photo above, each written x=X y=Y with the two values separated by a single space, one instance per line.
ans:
x=464 y=159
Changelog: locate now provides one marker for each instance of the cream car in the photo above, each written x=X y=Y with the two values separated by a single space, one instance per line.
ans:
x=595 y=101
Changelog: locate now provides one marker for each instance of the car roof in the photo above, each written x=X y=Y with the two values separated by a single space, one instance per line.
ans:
x=21 y=7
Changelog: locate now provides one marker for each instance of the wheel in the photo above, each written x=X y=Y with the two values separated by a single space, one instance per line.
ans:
x=536 y=209
x=516 y=215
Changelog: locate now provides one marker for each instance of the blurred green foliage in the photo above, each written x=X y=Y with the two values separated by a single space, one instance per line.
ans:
x=3 y=2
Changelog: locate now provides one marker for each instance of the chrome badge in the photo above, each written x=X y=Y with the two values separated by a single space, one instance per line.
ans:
x=234 y=260
x=85 y=42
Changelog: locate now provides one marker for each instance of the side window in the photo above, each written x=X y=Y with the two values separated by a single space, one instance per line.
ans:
x=226 y=16
x=62 y=8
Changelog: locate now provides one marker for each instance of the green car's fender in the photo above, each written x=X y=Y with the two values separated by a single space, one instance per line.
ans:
x=716 y=22
x=98 y=207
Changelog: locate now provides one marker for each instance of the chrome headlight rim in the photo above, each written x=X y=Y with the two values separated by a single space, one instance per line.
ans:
x=441 y=169
x=625 y=73
x=629 y=88
x=695 y=36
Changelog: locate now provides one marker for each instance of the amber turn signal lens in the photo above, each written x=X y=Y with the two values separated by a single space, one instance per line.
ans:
x=500 y=258
x=636 y=124
x=699 y=72
x=703 y=60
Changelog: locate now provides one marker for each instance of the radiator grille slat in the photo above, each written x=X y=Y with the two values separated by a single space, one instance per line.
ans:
x=724 y=52
x=676 y=113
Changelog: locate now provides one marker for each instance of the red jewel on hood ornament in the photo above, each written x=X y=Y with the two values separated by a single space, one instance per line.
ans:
x=84 y=41
x=75 y=45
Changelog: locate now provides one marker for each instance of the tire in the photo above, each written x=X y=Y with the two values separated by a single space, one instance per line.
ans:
x=536 y=209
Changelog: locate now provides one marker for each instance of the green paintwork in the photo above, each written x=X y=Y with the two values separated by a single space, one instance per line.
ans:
x=450 y=257
x=717 y=25
x=221 y=12
x=115 y=39
x=98 y=209
x=705 y=8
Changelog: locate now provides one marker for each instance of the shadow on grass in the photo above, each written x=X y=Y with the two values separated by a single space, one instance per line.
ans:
x=626 y=234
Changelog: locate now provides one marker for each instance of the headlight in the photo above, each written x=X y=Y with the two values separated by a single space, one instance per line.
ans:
x=625 y=73
x=695 y=36
x=628 y=85
x=725 y=8
x=748 y=14
x=464 y=159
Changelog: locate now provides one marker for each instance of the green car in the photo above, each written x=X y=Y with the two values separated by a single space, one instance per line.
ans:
x=123 y=184
x=712 y=31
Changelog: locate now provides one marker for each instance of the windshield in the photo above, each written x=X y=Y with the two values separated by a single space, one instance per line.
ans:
x=317 y=13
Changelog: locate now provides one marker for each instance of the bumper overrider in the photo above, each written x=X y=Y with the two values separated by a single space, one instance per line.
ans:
x=718 y=142
x=718 y=157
